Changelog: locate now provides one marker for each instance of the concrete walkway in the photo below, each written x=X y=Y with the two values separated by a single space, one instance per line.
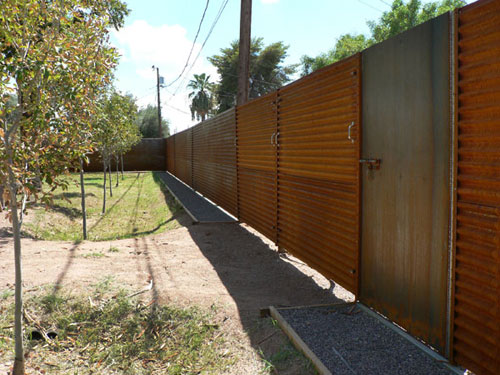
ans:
x=198 y=207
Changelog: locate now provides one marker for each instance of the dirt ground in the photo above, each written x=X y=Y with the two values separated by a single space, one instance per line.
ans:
x=229 y=266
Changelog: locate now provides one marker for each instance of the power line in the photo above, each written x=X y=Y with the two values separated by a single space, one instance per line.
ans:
x=142 y=97
x=177 y=109
x=192 y=47
x=385 y=2
x=221 y=9
x=370 y=6
x=257 y=80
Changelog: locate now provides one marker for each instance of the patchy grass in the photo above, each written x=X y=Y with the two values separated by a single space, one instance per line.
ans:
x=113 y=249
x=108 y=332
x=278 y=354
x=94 y=254
x=139 y=206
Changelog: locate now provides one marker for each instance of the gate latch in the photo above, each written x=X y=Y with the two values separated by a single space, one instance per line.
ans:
x=372 y=163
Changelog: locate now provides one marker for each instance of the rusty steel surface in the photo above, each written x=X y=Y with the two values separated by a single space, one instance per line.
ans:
x=183 y=156
x=476 y=319
x=318 y=170
x=147 y=155
x=214 y=160
x=256 y=129
x=405 y=203
x=171 y=154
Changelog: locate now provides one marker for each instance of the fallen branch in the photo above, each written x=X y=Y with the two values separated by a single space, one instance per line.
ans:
x=147 y=289
x=31 y=320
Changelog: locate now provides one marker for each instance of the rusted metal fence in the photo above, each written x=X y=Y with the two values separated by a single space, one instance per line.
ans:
x=214 y=160
x=476 y=323
x=183 y=156
x=288 y=164
x=318 y=170
x=405 y=215
x=257 y=169
x=147 y=155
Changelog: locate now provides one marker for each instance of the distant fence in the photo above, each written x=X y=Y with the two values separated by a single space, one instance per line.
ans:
x=382 y=172
x=148 y=155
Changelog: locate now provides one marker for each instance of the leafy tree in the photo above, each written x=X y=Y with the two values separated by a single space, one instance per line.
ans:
x=345 y=46
x=147 y=120
x=116 y=131
x=129 y=133
x=266 y=71
x=55 y=58
x=401 y=17
x=201 y=97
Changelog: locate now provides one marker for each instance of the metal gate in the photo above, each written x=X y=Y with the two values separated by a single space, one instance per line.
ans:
x=257 y=149
x=405 y=176
x=318 y=172
x=476 y=328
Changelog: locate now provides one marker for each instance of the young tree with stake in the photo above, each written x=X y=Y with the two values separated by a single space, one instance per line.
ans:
x=55 y=58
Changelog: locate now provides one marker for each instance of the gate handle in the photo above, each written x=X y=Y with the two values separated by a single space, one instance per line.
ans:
x=349 y=132
x=272 y=136
x=371 y=163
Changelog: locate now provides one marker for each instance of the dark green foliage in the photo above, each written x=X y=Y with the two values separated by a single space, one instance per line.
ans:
x=401 y=17
x=267 y=72
x=347 y=45
x=201 y=96
x=404 y=16
x=147 y=120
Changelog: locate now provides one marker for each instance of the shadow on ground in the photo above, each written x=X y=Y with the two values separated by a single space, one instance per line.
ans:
x=256 y=276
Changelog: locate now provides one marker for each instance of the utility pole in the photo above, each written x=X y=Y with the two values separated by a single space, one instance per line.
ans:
x=158 y=94
x=244 y=51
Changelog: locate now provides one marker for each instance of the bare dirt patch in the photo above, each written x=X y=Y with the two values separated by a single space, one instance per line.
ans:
x=227 y=266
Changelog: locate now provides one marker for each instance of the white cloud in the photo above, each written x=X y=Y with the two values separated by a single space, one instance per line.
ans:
x=143 y=45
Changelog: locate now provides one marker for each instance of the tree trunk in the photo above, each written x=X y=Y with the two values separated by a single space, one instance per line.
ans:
x=117 y=159
x=84 y=212
x=16 y=228
x=104 y=187
x=110 y=178
x=121 y=157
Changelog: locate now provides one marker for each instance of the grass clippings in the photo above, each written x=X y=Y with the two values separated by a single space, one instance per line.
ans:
x=114 y=334
x=140 y=206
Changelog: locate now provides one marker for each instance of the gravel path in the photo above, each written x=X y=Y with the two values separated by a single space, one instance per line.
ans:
x=203 y=210
x=358 y=343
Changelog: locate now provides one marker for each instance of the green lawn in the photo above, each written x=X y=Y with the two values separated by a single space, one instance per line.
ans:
x=139 y=206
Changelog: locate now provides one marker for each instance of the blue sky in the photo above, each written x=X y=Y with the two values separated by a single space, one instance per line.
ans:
x=161 y=33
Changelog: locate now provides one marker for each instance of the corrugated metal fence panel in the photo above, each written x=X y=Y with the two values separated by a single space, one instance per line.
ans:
x=183 y=155
x=147 y=155
x=214 y=167
x=171 y=154
x=257 y=164
x=203 y=169
x=318 y=170
x=476 y=336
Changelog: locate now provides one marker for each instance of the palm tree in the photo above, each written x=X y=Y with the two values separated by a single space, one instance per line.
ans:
x=201 y=102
